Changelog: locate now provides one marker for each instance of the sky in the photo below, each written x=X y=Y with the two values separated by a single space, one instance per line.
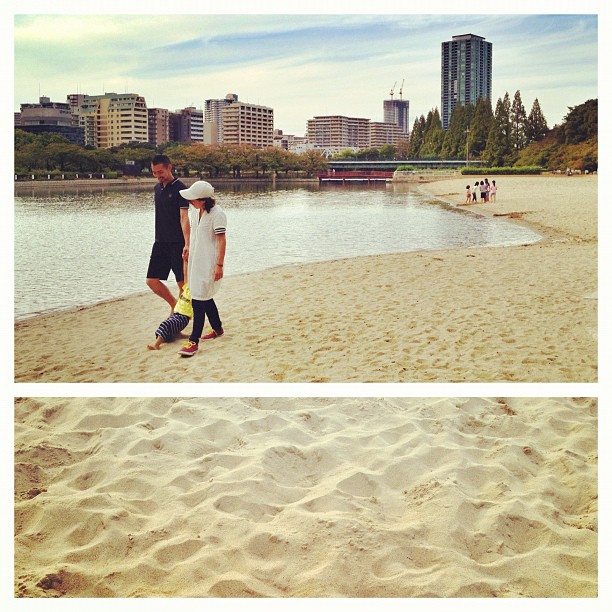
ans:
x=301 y=64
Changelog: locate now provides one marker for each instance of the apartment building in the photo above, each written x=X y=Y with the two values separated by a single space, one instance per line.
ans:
x=244 y=123
x=467 y=65
x=196 y=117
x=112 y=119
x=337 y=132
x=382 y=133
x=187 y=125
x=213 y=118
x=159 y=125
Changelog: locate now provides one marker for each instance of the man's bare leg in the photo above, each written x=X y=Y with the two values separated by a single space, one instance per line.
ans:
x=160 y=289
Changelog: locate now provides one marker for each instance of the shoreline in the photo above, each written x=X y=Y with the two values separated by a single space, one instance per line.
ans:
x=148 y=181
x=420 y=189
x=286 y=267
x=476 y=323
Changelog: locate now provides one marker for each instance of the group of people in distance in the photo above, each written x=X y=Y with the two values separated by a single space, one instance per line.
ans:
x=190 y=240
x=488 y=192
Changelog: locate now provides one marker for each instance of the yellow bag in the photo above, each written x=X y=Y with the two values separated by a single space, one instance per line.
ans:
x=183 y=304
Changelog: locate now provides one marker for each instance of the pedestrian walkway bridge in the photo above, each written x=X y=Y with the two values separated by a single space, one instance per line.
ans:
x=375 y=176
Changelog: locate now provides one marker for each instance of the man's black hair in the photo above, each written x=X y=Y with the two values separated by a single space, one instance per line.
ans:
x=161 y=159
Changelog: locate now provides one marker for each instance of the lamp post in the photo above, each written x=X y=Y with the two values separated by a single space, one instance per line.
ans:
x=467 y=147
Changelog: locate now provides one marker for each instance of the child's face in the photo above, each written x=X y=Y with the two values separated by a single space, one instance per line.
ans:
x=199 y=204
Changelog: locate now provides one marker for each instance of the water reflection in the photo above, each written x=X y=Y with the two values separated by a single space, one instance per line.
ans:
x=92 y=244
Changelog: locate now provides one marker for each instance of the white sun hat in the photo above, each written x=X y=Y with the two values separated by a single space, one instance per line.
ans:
x=199 y=190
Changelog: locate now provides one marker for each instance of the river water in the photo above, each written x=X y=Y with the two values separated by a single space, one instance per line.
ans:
x=79 y=246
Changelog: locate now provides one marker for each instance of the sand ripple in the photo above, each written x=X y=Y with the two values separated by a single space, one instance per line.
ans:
x=306 y=497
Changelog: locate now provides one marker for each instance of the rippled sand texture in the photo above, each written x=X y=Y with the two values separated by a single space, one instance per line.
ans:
x=306 y=497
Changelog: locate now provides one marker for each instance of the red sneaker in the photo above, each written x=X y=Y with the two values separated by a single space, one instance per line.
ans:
x=189 y=348
x=213 y=334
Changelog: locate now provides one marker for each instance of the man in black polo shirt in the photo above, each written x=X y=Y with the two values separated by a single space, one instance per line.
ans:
x=171 y=244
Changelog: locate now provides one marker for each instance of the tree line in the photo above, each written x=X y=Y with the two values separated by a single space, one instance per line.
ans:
x=52 y=154
x=475 y=132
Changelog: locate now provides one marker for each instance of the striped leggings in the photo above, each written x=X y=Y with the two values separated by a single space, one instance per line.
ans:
x=172 y=326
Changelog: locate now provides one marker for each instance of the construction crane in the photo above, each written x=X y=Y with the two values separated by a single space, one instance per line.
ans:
x=401 y=88
x=393 y=89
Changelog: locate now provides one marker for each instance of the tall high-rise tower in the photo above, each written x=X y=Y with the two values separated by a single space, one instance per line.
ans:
x=466 y=72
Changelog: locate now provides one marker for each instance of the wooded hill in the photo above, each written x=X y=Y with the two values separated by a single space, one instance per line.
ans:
x=573 y=144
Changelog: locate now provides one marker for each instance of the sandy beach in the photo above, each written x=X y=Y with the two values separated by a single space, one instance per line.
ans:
x=499 y=314
x=303 y=497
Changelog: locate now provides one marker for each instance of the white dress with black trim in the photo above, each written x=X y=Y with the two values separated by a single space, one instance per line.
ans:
x=204 y=250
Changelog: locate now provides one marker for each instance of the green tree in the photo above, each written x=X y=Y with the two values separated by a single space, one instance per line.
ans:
x=102 y=160
x=455 y=139
x=518 y=124
x=196 y=158
x=371 y=153
x=221 y=157
x=290 y=161
x=23 y=138
x=169 y=145
x=402 y=149
x=480 y=126
x=344 y=154
x=313 y=161
x=240 y=157
x=433 y=135
x=416 y=138
x=581 y=122
x=272 y=160
x=387 y=152
x=29 y=158
x=535 y=127
x=498 y=151
x=140 y=153
x=68 y=157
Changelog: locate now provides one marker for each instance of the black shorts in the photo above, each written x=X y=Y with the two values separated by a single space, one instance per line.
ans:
x=166 y=256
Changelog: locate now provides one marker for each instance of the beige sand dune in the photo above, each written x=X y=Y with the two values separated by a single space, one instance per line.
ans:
x=350 y=497
x=522 y=313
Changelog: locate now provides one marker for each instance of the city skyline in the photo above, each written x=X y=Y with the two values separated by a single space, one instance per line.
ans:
x=300 y=65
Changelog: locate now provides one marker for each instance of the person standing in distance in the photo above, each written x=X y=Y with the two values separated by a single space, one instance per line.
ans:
x=171 y=244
